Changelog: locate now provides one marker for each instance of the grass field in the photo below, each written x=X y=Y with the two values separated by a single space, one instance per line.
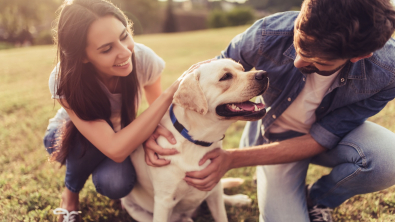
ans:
x=30 y=186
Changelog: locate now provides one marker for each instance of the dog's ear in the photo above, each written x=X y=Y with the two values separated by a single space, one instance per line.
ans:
x=189 y=95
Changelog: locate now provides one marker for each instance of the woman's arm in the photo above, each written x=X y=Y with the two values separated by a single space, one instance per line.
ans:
x=118 y=146
x=153 y=91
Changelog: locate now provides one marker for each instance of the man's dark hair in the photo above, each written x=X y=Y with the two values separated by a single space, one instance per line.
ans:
x=343 y=29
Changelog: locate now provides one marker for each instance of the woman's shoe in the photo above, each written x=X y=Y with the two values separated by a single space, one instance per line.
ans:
x=66 y=216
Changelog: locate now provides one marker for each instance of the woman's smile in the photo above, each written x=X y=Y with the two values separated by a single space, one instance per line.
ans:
x=123 y=65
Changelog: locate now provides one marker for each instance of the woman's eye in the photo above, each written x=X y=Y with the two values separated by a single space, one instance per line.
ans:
x=107 y=50
x=226 y=77
x=126 y=35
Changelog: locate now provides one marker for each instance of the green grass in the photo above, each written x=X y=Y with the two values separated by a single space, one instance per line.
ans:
x=30 y=186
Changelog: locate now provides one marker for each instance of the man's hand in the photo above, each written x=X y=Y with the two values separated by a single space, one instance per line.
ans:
x=152 y=149
x=206 y=179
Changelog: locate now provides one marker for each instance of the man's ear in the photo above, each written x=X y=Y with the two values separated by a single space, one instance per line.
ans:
x=356 y=59
x=189 y=95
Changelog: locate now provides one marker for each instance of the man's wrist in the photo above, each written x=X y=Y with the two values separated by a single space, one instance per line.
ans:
x=232 y=159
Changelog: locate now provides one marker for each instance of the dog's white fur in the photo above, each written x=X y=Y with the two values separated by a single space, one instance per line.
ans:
x=161 y=194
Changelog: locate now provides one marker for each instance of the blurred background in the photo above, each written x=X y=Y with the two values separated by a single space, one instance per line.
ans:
x=26 y=23
x=182 y=32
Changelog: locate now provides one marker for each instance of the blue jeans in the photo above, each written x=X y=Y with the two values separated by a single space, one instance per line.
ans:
x=111 y=179
x=362 y=162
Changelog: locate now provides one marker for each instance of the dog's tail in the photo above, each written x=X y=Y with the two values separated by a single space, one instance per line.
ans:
x=237 y=199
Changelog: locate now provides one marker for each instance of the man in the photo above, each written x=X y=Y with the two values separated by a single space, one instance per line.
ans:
x=330 y=67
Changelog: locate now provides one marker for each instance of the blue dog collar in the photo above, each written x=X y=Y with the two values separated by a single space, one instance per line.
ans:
x=184 y=132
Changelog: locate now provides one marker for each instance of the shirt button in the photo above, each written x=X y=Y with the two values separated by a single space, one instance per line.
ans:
x=274 y=116
x=342 y=80
x=289 y=99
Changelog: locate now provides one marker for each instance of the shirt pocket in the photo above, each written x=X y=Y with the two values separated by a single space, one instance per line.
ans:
x=270 y=95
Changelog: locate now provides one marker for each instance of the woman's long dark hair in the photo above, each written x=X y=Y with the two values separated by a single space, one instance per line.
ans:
x=77 y=84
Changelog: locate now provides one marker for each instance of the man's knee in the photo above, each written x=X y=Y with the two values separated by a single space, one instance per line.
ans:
x=374 y=146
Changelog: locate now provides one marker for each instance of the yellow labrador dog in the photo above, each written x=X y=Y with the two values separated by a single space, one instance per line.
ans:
x=206 y=103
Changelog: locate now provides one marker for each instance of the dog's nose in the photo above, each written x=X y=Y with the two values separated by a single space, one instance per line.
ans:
x=260 y=75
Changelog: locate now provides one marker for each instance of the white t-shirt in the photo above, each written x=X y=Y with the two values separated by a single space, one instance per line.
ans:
x=300 y=115
x=149 y=67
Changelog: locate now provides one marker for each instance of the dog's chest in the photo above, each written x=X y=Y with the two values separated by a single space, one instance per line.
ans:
x=192 y=198
x=189 y=156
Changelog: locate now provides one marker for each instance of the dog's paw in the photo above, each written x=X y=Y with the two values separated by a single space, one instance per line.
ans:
x=229 y=182
x=237 y=200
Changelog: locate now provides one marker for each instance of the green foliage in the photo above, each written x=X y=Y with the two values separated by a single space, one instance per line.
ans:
x=240 y=16
x=217 y=19
x=143 y=13
x=30 y=186
x=17 y=16
x=6 y=45
x=235 y=17
x=274 y=5
x=44 y=38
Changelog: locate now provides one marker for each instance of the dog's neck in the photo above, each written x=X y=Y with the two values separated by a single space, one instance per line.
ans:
x=206 y=128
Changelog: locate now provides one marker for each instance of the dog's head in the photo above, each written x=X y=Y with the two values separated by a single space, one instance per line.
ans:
x=223 y=89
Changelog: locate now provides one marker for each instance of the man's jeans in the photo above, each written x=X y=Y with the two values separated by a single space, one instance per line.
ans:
x=111 y=179
x=363 y=162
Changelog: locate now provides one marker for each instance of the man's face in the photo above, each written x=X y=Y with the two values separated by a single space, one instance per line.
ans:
x=317 y=65
x=308 y=64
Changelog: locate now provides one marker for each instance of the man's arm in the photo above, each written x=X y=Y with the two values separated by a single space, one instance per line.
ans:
x=286 y=151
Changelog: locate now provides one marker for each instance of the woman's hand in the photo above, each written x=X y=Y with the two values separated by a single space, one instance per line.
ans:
x=152 y=149
x=173 y=88
x=206 y=179
x=195 y=66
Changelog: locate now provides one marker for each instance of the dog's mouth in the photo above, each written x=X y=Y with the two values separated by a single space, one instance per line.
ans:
x=245 y=109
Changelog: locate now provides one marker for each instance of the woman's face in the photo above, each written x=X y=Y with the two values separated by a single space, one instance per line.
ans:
x=109 y=48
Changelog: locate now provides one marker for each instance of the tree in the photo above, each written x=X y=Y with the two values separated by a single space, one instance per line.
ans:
x=170 y=24
x=143 y=13
x=19 y=17
x=274 y=5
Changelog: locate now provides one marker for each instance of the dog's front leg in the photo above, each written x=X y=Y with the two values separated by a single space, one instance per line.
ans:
x=216 y=204
x=163 y=208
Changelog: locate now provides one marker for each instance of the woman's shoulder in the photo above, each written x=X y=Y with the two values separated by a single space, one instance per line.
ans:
x=53 y=81
x=142 y=50
x=149 y=65
x=145 y=56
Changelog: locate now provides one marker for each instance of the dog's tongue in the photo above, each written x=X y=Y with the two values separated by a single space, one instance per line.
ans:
x=249 y=106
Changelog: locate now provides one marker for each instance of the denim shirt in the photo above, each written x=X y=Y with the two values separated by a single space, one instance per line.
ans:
x=359 y=91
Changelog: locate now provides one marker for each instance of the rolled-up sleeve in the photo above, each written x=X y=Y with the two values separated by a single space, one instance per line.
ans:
x=329 y=130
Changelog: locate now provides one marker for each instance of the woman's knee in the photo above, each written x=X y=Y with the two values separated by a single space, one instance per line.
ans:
x=114 y=180
x=115 y=189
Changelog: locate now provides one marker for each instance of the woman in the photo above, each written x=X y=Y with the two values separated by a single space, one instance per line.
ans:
x=99 y=82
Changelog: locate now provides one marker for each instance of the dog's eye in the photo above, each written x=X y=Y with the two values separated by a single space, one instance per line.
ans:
x=226 y=77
